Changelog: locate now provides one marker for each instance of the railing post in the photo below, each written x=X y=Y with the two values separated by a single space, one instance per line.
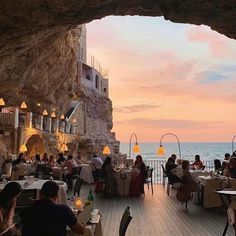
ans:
x=16 y=118
x=41 y=122
x=28 y=120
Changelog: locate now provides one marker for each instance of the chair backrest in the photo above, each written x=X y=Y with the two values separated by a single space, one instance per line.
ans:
x=76 y=170
x=149 y=172
x=77 y=186
x=164 y=171
x=124 y=222
x=26 y=197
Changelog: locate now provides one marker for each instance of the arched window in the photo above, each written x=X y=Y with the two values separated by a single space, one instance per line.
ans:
x=97 y=82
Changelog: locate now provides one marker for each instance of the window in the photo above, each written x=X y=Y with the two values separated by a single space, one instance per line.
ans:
x=88 y=77
x=97 y=82
x=105 y=90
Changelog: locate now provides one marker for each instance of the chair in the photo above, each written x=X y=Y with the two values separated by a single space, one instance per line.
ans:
x=164 y=175
x=75 y=174
x=77 y=186
x=124 y=222
x=26 y=198
x=100 y=183
x=47 y=171
x=149 y=178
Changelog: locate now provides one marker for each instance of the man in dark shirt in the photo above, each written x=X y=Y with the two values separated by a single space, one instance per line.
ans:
x=46 y=218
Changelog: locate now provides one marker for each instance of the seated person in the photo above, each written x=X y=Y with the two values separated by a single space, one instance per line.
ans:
x=45 y=158
x=137 y=183
x=108 y=173
x=46 y=218
x=217 y=166
x=187 y=178
x=227 y=157
x=70 y=164
x=19 y=160
x=96 y=164
x=232 y=168
x=171 y=171
x=8 y=198
x=80 y=159
x=52 y=162
x=197 y=164
x=61 y=159
x=35 y=164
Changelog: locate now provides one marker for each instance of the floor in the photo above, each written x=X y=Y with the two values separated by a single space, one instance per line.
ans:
x=159 y=214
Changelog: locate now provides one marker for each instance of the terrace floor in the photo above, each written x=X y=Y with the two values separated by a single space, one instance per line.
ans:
x=159 y=214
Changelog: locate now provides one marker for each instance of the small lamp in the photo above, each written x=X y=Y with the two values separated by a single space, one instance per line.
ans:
x=45 y=113
x=136 y=148
x=79 y=203
x=23 y=148
x=74 y=120
x=62 y=117
x=53 y=115
x=2 y=102
x=23 y=105
x=106 y=150
x=161 y=151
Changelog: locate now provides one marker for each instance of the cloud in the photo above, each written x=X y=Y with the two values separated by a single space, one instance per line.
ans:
x=170 y=123
x=135 y=108
x=218 y=43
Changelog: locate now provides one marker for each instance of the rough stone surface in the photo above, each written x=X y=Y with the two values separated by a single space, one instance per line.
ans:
x=37 y=47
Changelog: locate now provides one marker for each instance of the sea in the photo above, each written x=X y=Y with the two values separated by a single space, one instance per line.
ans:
x=207 y=151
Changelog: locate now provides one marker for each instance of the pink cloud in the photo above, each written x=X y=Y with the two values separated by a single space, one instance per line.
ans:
x=218 y=44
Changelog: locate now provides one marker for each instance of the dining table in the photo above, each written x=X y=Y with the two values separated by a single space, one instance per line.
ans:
x=34 y=183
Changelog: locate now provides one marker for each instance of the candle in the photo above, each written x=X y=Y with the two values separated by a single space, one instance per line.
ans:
x=78 y=203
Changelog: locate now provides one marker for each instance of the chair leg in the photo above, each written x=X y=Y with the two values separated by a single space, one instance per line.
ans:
x=168 y=189
x=186 y=205
x=152 y=187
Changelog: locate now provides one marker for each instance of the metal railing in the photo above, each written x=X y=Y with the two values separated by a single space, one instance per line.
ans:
x=7 y=119
x=158 y=171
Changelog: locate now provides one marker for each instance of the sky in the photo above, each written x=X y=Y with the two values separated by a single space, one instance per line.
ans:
x=167 y=77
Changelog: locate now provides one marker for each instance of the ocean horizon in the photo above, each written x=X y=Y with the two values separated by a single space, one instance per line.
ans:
x=207 y=150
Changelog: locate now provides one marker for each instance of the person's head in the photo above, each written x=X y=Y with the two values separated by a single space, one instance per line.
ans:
x=173 y=156
x=51 y=158
x=106 y=162
x=94 y=156
x=217 y=164
x=21 y=156
x=60 y=155
x=11 y=191
x=170 y=161
x=45 y=156
x=227 y=156
x=70 y=157
x=139 y=159
x=197 y=158
x=185 y=165
x=49 y=190
x=37 y=157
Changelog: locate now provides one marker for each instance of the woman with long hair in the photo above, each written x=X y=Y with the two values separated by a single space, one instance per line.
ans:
x=8 y=197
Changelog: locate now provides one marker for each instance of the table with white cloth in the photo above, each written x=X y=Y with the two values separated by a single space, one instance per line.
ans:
x=86 y=173
x=123 y=180
x=93 y=229
x=58 y=172
x=196 y=173
x=21 y=170
x=37 y=184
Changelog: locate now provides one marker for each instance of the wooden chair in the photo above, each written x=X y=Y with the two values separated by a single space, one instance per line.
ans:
x=124 y=222
x=164 y=174
x=149 y=178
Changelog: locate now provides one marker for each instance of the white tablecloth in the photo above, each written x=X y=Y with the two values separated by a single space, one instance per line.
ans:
x=59 y=171
x=86 y=173
x=37 y=184
x=196 y=173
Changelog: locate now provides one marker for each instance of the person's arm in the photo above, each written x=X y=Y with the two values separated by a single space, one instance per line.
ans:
x=78 y=228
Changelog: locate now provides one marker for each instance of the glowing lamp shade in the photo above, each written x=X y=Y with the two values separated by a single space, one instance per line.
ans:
x=2 y=103
x=62 y=117
x=74 y=120
x=136 y=148
x=53 y=115
x=23 y=148
x=161 y=151
x=23 y=105
x=106 y=150
x=78 y=203
x=45 y=113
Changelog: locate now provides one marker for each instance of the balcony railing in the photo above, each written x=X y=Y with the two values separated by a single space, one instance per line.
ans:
x=158 y=171
x=7 y=119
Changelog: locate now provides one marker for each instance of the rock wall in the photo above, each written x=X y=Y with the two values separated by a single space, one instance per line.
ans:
x=37 y=50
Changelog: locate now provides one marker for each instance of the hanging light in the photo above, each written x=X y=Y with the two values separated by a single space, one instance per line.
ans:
x=45 y=113
x=53 y=115
x=23 y=105
x=2 y=102
x=38 y=104
x=136 y=148
x=62 y=117
x=74 y=120
x=161 y=151
x=106 y=150
x=23 y=148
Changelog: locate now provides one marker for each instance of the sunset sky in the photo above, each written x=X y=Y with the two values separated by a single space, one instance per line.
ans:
x=167 y=77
